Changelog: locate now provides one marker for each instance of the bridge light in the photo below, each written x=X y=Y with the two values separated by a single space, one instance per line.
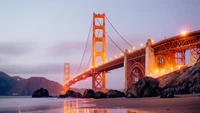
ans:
x=141 y=45
x=133 y=48
x=129 y=51
x=183 y=33
x=152 y=41
x=156 y=72
x=115 y=56
x=121 y=54
x=83 y=76
x=171 y=68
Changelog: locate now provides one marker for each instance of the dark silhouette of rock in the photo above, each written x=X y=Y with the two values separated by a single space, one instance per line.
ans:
x=70 y=93
x=88 y=93
x=77 y=95
x=167 y=95
x=114 y=94
x=195 y=89
x=99 y=94
x=41 y=93
x=145 y=87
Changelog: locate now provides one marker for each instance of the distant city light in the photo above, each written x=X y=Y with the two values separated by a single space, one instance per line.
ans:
x=141 y=45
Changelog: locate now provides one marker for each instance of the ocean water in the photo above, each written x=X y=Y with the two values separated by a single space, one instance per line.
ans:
x=52 y=105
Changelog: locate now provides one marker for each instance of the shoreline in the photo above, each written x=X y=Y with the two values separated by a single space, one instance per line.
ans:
x=188 y=103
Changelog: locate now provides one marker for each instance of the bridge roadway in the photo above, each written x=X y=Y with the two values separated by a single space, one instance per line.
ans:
x=180 y=42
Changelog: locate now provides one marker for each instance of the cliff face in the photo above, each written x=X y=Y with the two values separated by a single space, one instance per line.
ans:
x=19 y=86
x=189 y=76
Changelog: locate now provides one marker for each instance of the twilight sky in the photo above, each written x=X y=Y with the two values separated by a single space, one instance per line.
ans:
x=38 y=36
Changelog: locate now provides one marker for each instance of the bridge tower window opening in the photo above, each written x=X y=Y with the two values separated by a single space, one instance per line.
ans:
x=98 y=34
x=98 y=79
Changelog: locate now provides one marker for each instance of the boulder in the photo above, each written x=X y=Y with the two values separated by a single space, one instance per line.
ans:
x=40 y=93
x=114 y=94
x=145 y=87
x=70 y=93
x=99 y=94
x=88 y=93
x=73 y=94
x=77 y=95
x=61 y=96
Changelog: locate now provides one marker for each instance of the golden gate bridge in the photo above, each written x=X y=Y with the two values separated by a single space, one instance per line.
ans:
x=152 y=59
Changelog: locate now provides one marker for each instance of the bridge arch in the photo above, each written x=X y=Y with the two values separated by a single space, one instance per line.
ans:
x=136 y=72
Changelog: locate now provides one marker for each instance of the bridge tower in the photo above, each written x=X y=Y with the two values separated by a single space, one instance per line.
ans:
x=66 y=77
x=98 y=79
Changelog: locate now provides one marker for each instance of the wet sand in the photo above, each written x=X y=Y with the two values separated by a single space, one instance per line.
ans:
x=179 y=104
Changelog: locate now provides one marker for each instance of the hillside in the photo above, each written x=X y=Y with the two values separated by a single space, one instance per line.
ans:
x=20 y=86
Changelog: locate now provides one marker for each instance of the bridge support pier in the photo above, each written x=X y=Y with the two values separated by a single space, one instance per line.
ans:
x=149 y=58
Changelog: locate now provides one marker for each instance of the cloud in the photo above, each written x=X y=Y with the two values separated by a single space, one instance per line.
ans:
x=39 y=69
x=69 y=48
x=14 y=48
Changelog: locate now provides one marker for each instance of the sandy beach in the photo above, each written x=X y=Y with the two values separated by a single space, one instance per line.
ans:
x=180 y=104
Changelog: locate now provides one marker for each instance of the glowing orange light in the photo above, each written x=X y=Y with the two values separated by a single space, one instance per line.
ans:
x=141 y=44
x=75 y=79
x=83 y=76
x=129 y=51
x=152 y=41
x=156 y=71
x=183 y=33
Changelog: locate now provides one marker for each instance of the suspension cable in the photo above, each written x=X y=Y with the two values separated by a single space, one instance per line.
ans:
x=84 y=49
x=91 y=53
x=118 y=33
x=112 y=40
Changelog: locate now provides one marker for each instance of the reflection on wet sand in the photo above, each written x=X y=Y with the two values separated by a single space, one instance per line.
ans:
x=73 y=107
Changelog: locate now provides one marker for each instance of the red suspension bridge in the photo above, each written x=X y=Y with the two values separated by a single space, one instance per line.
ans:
x=152 y=59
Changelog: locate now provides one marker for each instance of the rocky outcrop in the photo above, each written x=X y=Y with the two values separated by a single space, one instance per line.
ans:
x=41 y=93
x=167 y=95
x=145 y=87
x=88 y=93
x=99 y=94
x=184 y=81
x=71 y=94
x=114 y=94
